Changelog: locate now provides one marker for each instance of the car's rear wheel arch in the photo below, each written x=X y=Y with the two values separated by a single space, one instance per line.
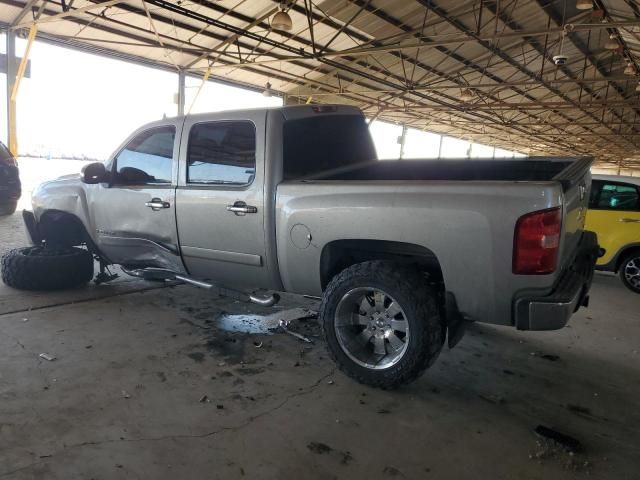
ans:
x=339 y=255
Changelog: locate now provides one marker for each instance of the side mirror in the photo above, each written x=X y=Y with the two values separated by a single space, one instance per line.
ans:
x=94 y=173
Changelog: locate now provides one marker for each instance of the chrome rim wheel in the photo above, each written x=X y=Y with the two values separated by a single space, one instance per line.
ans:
x=632 y=272
x=371 y=328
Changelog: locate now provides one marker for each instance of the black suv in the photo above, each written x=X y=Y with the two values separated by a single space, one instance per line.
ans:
x=10 y=188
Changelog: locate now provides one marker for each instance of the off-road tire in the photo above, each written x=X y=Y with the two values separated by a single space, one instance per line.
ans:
x=623 y=265
x=34 y=268
x=8 y=208
x=419 y=302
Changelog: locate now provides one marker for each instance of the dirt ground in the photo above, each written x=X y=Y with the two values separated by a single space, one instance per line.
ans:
x=165 y=383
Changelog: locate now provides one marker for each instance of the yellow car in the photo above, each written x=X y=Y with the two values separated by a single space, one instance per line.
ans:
x=614 y=214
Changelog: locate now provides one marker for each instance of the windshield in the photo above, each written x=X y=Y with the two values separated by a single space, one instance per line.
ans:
x=319 y=144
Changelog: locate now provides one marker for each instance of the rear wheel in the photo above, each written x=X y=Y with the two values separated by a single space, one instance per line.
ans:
x=630 y=271
x=8 y=208
x=382 y=323
x=38 y=268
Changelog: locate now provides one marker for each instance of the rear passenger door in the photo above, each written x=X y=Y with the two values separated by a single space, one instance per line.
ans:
x=614 y=214
x=220 y=204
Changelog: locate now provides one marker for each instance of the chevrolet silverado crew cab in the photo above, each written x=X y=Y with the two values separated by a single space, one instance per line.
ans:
x=402 y=253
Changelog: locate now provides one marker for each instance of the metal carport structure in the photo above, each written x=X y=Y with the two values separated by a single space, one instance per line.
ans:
x=482 y=70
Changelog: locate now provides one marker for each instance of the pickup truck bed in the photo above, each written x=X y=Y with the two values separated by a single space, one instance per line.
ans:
x=520 y=170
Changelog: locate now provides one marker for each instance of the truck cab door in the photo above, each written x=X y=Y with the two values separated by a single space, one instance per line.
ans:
x=134 y=214
x=614 y=214
x=220 y=199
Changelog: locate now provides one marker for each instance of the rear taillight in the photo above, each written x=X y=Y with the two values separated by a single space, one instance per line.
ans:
x=536 y=242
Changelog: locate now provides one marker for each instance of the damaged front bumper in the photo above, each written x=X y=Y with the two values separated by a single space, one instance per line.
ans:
x=571 y=291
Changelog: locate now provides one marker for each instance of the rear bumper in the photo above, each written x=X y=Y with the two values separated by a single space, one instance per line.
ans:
x=571 y=291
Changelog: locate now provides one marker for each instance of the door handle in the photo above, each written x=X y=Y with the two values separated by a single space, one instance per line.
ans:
x=241 y=208
x=629 y=220
x=157 y=204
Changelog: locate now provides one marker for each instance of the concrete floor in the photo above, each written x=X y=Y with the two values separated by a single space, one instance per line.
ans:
x=125 y=397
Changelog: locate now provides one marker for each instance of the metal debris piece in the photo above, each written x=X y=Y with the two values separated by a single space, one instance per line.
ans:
x=330 y=382
x=257 y=344
x=284 y=326
x=551 y=358
x=47 y=356
x=319 y=448
x=570 y=444
x=204 y=399
x=125 y=394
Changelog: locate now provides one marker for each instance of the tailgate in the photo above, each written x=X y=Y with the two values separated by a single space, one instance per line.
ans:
x=576 y=184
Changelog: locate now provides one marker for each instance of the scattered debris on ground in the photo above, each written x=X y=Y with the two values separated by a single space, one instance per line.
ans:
x=285 y=327
x=562 y=440
x=578 y=409
x=319 y=447
x=392 y=472
x=557 y=446
x=551 y=358
x=48 y=357
x=568 y=443
x=497 y=399
x=322 y=448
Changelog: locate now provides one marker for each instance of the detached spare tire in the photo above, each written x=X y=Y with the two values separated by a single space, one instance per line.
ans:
x=37 y=268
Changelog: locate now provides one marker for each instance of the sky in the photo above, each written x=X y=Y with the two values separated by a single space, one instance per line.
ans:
x=78 y=104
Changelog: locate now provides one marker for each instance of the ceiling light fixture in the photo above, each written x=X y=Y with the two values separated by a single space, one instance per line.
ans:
x=612 y=43
x=466 y=95
x=281 y=20
x=267 y=92
x=629 y=69
x=584 y=4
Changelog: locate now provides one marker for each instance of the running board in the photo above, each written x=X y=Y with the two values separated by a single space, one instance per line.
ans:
x=168 y=275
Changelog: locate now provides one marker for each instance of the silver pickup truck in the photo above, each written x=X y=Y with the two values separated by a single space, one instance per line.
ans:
x=403 y=253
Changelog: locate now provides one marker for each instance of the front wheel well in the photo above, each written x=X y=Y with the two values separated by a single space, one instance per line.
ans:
x=341 y=254
x=63 y=229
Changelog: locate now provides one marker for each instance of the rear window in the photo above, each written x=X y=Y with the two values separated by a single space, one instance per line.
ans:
x=319 y=144
x=222 y=153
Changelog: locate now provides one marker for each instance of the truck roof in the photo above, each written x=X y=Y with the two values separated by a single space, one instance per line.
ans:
x=289 y=111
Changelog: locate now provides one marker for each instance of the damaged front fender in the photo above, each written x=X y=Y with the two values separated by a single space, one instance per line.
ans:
x=59 y=199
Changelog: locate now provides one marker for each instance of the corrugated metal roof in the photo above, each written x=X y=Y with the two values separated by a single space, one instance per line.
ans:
x=405 y=61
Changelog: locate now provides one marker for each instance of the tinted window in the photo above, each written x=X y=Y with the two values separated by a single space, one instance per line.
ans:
x=222 y=153
x=147 y=159
x=616 y=196
x=318 y=144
